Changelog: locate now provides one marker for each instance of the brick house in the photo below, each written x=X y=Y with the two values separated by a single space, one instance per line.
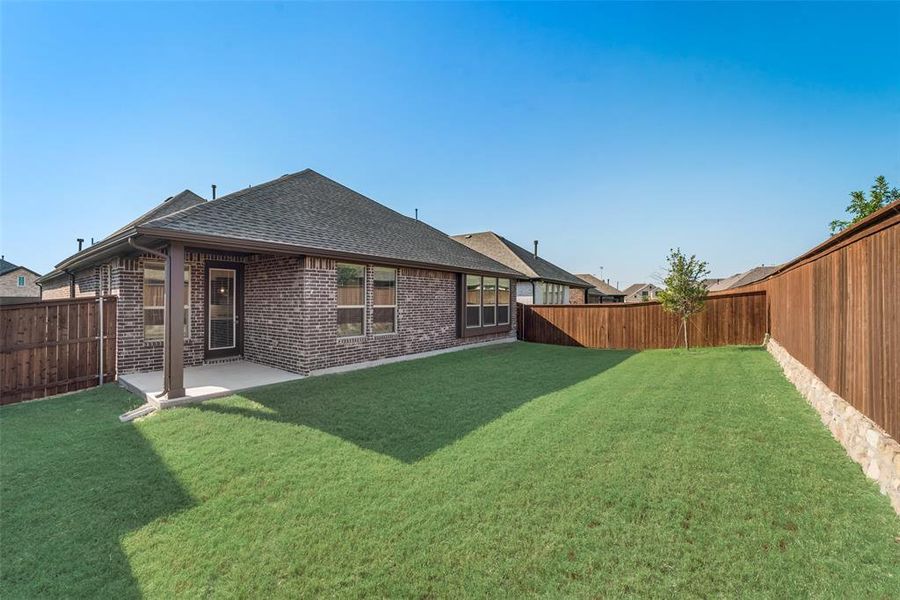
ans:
x=545 y=283
x=17 y=283
x=299 y=273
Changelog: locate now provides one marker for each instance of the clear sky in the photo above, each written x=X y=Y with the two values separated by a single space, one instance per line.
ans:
x=611 y=132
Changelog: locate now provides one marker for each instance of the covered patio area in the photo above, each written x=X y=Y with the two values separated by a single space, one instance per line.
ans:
x=206 y=381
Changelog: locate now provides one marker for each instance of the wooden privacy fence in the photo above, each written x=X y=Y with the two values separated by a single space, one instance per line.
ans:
x=728 y=319
x=836 y=309
x=56 y=346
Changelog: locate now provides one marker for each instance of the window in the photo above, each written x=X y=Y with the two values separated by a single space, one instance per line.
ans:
x=473 y=301
x=351 y=299
x=502 y=301
x=21 y=281
x=155 y=301
x=384 y=309
x=487 y=301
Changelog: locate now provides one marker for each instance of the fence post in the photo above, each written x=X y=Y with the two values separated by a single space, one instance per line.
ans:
x=101 y=341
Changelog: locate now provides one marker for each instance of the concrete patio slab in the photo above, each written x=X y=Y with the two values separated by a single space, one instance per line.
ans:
x=206 y=381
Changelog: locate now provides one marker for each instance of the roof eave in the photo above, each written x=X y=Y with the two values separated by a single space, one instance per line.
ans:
x=247 y=245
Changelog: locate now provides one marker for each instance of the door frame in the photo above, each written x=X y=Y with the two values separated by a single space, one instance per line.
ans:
x=238 y=349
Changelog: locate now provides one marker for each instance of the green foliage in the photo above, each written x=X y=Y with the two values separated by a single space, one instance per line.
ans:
x=510 y=471
x=685 y=294
x=860 y=207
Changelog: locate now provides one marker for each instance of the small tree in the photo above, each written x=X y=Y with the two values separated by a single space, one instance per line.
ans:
x=861 y=207
x=685 y=294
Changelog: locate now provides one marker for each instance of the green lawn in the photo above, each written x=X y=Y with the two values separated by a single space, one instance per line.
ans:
x=509 y=470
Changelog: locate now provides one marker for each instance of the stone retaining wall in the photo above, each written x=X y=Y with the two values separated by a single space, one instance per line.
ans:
x=865 y=442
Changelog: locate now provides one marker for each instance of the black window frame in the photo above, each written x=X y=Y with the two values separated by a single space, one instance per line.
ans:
x=465 y=330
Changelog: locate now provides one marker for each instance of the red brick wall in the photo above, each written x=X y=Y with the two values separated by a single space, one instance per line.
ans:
x=576 y=295
x=426 y=304
x=290 y=313
x=134 y=353
x=273 y=288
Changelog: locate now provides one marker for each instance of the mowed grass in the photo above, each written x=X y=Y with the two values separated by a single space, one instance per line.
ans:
x=505 y=471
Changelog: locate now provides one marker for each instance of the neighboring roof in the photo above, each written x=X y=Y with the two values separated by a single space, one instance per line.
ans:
x=711 y=281
x=172 y=204
x=311 y=212
x=504 y=251
x=636 y=287
x=745 y=278
x=8 y=267
x=601 y=286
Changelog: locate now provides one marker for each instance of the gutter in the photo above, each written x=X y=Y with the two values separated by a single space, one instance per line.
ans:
x=156 y=253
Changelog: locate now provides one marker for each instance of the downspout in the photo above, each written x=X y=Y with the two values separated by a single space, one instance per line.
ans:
x=71 y=275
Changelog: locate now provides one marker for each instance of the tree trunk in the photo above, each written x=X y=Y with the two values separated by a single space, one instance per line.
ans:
x=684 y=326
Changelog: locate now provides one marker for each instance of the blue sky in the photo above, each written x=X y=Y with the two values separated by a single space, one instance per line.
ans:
x=611 y=132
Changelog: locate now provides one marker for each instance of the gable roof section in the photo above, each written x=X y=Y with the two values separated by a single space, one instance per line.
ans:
x=8 y=267
x=313 y=213
x=601 y=286
x=504 y=251
x=745 y=278
x=636 y=287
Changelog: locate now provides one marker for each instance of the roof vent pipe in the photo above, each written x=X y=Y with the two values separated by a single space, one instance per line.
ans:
x=214 y=191
x=80 y=242
x=417 y=214
x=535 y=248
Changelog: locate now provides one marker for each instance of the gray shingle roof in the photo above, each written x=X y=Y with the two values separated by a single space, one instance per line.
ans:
x=173 y=204
x=504 y=251
x=6 y=266
x=310 y=211
x=601 y=286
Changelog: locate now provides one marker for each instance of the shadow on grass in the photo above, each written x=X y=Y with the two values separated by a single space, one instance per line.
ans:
x=409 y=410
x=75 y=482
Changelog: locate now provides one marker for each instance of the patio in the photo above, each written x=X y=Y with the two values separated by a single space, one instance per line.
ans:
x=206 y=381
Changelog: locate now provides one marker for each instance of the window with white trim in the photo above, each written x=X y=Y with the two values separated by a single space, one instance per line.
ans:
x=155 y=301
x=351 y=299
x=384 y=307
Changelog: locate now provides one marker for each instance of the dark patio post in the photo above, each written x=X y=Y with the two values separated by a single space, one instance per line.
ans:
x=173 y=350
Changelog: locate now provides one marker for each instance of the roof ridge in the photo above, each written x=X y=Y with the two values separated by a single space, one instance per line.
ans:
x=230 y=195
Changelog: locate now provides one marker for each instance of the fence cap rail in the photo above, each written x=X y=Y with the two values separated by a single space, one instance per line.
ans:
x=58 y=301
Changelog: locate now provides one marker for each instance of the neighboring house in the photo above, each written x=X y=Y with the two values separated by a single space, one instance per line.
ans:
x=546 y=283
x=299 y=273
x=710 y=281
x=642 y=292
x=601 y=292
x=17 y=283
x=745 y=278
